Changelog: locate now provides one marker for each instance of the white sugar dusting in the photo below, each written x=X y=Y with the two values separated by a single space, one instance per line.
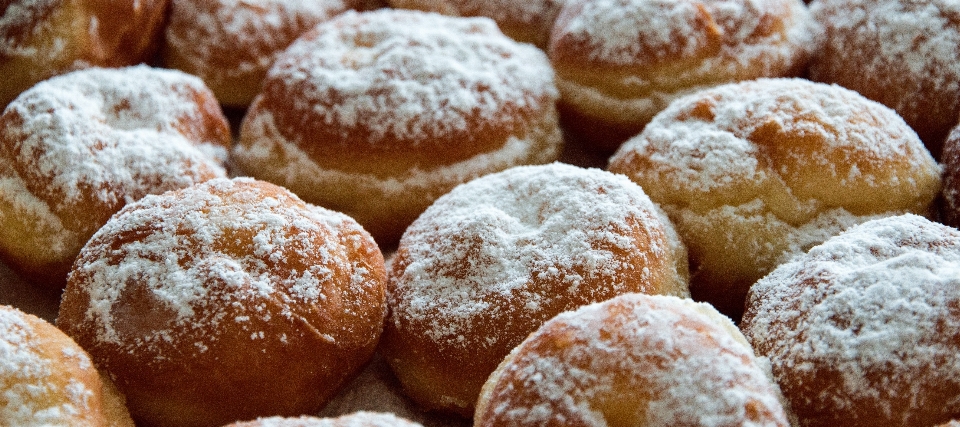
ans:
x=411 y=75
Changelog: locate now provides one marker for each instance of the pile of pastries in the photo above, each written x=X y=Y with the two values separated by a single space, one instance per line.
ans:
x=458 y=212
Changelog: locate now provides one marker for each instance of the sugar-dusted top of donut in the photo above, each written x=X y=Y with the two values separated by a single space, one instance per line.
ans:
x=224 y=243
x=663 y=360
x=827 y=144
x=114 y=135
x=410 y=76
x=505 y=235
x=625 y=32
x=18 y=21
x=30 y=397
x=356 y=419
x=875 y=307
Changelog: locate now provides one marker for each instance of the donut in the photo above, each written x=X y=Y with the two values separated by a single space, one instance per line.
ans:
x=528 y=21
x=633 y=360
x=950 y=160
x=358 y=419
x=43 y=38
x=231 y=44
x=77 y=147
x=902 y=54
x=496 y=257
x=224 y=301
x=863 y=330
x=753 y=173
x=619 y=62
x=376 y=114
x=46 y=379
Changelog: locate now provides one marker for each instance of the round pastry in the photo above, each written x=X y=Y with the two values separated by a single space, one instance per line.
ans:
x=619 y=62
x=230 y=44
x=950 y=158
x=75 y=148
x=863 y=329
x=377 y=114
x=634 y=360
x=227 y=300
x=496 y=257
x=357 y=419
x=46 y=379
x=43 y=38
x=753 y=173
x=900 y=53
x=527 y=21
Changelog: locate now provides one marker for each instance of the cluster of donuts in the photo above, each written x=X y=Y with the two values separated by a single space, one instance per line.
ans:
x=433 y=213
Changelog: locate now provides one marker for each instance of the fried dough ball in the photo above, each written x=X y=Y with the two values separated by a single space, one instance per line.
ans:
x=77 y=147
x=377 y=114
x=496 y=257
x=357 y=419
x=864 y=330
x=634 y=360
x=227 y=300
x=46 y=379
x=754 y=173
x=619 y=62
x=43 y=38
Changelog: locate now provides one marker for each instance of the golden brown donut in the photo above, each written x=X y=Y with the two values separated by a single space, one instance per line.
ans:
x=902 y=54
x=377 y=114
x=46 y=379
x=753 y=173
x=230 y=44
x=77 y=147
x=619 y=62
x=634 y=360
x=357 y=419
x=43 y=38
x=496 y=257
x=527 y=21
x=864 y=330
x=224 y=301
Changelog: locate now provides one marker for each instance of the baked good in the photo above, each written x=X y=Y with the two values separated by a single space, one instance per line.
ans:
x=43 y=38
x=227 y=300
x=634 y=360
x=527 y=21
x=493 y=259
x=75 y=148
x=358 y=419
x=46 y=379
x=950 y=160
x=753 y=173
x=900 y=53
x=619 y=62
x=230 y=44
x=863 y=330
x=376 y=114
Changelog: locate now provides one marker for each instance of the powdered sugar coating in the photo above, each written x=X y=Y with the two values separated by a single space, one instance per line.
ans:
x=863 y=329
x=633 y=360
x=17 y=23
x=357 y=419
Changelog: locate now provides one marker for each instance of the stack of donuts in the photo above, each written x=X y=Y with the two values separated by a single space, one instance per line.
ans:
x=436 y=213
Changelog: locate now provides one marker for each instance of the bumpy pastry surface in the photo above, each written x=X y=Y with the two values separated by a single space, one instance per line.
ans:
x=753 y=173
x=227 y=300
x=863 y=330
x=357 y=419
x=496 y=257
x=76 y=148
x=377 y=114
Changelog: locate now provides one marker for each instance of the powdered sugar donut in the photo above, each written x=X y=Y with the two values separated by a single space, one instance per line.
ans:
x=496 y=257
x=377 y=114
x=619 y=62
x=230 y=44
x=74 y=149
x=902 y=54
x=950 y=207
x=227 y=300
x=43 y=38
x=753 y=173
x=634 y=360
x=358 y=419
x=863 y=329
x=524 y=20
x=46 y=379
